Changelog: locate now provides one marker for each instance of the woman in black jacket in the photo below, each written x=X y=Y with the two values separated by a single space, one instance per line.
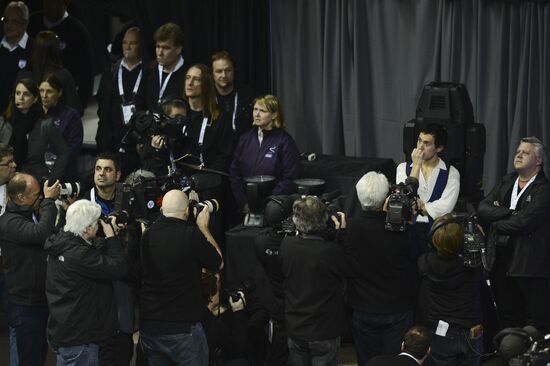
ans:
x=24 y=127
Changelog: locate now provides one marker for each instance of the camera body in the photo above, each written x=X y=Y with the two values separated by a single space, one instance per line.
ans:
x=145 y=124
x=400 y=204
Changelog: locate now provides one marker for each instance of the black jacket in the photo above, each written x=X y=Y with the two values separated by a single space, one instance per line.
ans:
x=22 y=251
x=386 y=280
x=526 y=228
x=314 y=270
x=399 y=360
x=79 y=289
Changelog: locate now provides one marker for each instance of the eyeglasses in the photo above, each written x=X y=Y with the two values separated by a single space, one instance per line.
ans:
x=8 y=163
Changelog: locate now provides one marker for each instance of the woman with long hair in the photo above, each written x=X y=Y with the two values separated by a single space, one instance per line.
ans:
x=46 y=58
x=24 y=127
x=65 y=119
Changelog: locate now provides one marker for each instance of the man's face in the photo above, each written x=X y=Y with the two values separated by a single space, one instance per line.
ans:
x=32 y=195
x=14 y=24
x=131 y=47
x=167 y=53
x=223 y=73
x=177 y=112
x=426 y=144
x=193 y=82
x=105 y=174
x=7 y=168
x=526 y=160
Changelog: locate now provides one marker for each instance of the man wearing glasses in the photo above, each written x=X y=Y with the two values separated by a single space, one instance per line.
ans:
x=23 y=231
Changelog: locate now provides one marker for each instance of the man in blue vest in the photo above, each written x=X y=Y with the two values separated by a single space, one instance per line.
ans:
x=439 y=182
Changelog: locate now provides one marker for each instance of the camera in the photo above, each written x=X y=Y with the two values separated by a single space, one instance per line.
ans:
x=144 y=124
x=142 y=198
x=246 y=287
x=474 y=242
x=69 y=189
x=196 y=207
x=400 y=204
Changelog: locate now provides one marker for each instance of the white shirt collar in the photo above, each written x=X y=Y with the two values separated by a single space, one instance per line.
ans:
x=50 y=25
x=125 y=65
x=411 y=356
x=22 y=43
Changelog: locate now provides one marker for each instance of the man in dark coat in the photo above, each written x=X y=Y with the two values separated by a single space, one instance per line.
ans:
x=518 y=209
x=414 y=350
x=22 y=233
x=80 y=295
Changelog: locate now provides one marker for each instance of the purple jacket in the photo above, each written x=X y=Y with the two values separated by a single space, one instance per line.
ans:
x=277 y=156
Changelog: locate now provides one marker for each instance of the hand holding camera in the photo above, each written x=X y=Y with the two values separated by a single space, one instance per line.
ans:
x=53 y=190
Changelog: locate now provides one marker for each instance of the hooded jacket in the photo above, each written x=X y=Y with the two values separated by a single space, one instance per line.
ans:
x=79 y=289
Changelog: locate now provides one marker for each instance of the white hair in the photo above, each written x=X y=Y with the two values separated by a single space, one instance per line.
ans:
x=80 y=215
x=19 y=5
x=372 y=190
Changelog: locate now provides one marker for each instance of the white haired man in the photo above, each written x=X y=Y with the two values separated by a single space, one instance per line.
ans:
x=382 y=293
x=79 y=289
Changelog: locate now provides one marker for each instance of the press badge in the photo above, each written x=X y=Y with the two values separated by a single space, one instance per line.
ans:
x=128 y=110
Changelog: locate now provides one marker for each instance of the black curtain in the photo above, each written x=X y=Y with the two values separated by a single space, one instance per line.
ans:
x=349 y=73
x=240 y=27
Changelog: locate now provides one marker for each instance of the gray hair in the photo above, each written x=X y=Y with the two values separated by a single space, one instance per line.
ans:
x=309 y=215
x=540 y=150
x=372 y=190
x=19 y=5
x=80 y=215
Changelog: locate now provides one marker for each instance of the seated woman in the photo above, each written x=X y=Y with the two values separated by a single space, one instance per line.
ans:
x=29 y=132
x=65 y=119
x=265 y=150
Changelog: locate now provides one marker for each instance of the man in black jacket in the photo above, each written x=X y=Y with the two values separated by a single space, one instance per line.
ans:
x=80 y=295
x=383 y=293
x=518 y=209
x=23 y=233
x=173 y=253
x=314 y=269
x=414 y=350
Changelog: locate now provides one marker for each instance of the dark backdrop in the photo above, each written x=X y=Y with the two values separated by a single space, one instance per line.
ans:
x=349 y=73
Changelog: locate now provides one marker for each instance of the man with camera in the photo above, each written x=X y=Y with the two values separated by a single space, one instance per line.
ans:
x=452 y=290
x=314 y=268
x=439 y=182
x=28 y=221
x=383 y=292
x=518 y=209
x=83 y=311
x=173 y=253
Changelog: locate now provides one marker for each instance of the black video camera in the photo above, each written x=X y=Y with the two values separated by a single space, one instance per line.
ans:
x=474 y=241
x=145 y=124
x=246 y=287
x=400 y=204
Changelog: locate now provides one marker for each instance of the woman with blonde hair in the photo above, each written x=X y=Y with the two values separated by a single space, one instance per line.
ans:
x=267 y=149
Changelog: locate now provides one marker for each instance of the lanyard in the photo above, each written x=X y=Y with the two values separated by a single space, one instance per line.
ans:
x=201 y=136
x=165 y=82
x=234 y=111
x=121 y=87
x=515 y=196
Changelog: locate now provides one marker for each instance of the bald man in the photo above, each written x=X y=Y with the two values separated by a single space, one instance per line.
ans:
x=173 y=253
x=23 y=235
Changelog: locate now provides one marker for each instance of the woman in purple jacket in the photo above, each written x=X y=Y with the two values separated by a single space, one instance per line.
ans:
x=65 y=119
x=266 y=149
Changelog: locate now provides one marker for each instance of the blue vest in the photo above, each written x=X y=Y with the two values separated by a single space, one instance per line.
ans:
x=439 y=187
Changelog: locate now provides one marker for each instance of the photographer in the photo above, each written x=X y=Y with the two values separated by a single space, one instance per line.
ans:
x=383 y=293
x=173 y=252
x=266 y=246
x=106 y=174
x=80 y=296
x=225 y=323
x=27 y=222
x=314 y=268
x=453 y=294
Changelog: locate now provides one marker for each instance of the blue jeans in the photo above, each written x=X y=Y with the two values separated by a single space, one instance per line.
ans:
x=379 y=334
x=83 y=355
x=29 y=327
x=176 y=349
x=456 y=348
x=313 y=353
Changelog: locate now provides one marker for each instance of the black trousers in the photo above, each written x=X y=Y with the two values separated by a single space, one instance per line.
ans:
x=117 y=350
x=520 y=300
